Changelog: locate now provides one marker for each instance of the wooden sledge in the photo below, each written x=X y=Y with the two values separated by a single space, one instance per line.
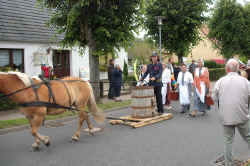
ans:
x=139 y=122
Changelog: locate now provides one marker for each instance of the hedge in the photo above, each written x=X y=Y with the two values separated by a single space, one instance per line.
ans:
x=215 y=74
x=7 y=104
x=212 y=64
x=103 y=68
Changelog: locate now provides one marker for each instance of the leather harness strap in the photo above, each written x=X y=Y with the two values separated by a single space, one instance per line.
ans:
x=67 y=90
x=51 y=94
x=34 y=87
x=48 y=104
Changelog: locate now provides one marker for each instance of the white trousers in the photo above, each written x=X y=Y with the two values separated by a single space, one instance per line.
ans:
x=164 y=93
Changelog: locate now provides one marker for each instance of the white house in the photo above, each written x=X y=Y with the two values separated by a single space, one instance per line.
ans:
x=26 y=42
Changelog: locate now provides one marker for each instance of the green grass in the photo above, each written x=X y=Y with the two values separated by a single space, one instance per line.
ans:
x=12 y=123
x=24 y=121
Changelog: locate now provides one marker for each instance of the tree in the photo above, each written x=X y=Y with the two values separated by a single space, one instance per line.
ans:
x=141 y=50
x=125 y=72
x=229 y=26
x=246 y=43
x=180 y=28
x=100 y=25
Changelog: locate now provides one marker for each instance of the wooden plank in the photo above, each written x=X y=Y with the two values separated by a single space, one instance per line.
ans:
x=141 y=124
x=145 y=119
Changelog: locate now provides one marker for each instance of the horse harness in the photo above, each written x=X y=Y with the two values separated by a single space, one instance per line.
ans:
x=48 y=104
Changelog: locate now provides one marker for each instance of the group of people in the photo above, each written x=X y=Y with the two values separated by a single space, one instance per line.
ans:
x=231 y=94
x=115 y=80
x=162 y=77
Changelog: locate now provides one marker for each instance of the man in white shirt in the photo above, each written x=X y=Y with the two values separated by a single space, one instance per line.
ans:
x=166 y=81
x=232 y=93
x=185 y=81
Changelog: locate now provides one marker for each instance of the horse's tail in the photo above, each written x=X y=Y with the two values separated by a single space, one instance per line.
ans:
x=99 y=116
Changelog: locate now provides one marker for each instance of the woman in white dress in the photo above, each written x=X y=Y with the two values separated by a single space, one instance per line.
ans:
x=202 y=89
x=184 y=82
x=166 y=81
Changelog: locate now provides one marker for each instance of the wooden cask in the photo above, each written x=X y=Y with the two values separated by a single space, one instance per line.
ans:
x=143 y=102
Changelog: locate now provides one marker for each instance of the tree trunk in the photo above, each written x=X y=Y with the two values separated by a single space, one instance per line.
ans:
x=94 y=72
x=93 y=62
x=106 y=60
x=180 y=59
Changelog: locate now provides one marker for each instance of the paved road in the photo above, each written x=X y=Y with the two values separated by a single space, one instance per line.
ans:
x=180 y=141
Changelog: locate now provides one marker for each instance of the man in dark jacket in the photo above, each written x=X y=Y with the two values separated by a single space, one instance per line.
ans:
x=192 y=67
x=110 y=71
x=117 y=82
x=155 y=71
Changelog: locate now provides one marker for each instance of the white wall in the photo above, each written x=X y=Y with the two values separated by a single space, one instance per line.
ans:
x=122 y=56
x=76 y=60
x=79 y=63
x=29 y=48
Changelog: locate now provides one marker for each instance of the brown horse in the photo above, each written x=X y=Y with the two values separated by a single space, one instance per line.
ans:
x=73 y=91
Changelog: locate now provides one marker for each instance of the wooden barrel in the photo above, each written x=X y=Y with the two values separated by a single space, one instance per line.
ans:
x=143 y=102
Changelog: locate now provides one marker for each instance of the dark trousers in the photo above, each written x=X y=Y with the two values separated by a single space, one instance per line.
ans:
x=157 y=91
x=117 y=91
x=111 y=90
x=168 y=96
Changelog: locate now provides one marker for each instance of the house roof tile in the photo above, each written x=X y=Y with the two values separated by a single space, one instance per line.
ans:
x=25 y=21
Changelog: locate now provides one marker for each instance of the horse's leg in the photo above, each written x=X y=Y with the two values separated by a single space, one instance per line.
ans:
x=82 y=117
x=90 y=126
x=36 y=121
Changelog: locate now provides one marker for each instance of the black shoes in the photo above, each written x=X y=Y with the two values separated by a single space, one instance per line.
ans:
x=203 y=113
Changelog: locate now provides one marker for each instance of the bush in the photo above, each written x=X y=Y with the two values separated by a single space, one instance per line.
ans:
x=103 y=68
x=131 y=80
x=215 y=74
x=7 y=104
x=125 y=72
x=212 y=64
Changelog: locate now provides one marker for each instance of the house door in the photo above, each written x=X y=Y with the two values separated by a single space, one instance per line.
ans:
x=61 y=63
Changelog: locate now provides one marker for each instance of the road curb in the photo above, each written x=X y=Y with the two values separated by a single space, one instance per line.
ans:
x=47 y=122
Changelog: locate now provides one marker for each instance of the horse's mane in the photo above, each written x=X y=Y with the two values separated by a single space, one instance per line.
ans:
x=22 y=76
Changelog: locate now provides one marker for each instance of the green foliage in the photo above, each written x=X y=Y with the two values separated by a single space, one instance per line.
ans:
x=6 y=69
x=7 y=104
x=215 y=74
x=100 y=24
x=230 y=26
x=180 y=28
x=103 y=67
x=125 y=72
x=212 y=64
x=141 y=50
x=131 y=80
x=243 y=59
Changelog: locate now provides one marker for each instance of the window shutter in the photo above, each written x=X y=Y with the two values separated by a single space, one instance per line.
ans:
x=4 y=58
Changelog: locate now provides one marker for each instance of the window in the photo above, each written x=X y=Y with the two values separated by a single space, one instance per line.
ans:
x=12 y=59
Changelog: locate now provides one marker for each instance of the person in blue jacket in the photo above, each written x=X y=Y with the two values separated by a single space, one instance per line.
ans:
x=155 y=71
x=117 y=82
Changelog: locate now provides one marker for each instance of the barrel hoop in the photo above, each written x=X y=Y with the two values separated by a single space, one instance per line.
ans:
x=140 y=97
x=139 y=108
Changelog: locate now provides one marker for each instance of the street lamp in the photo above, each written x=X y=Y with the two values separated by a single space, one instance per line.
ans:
x=159 y=19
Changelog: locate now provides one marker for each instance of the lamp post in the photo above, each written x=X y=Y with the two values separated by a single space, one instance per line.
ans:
x=159 y=19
